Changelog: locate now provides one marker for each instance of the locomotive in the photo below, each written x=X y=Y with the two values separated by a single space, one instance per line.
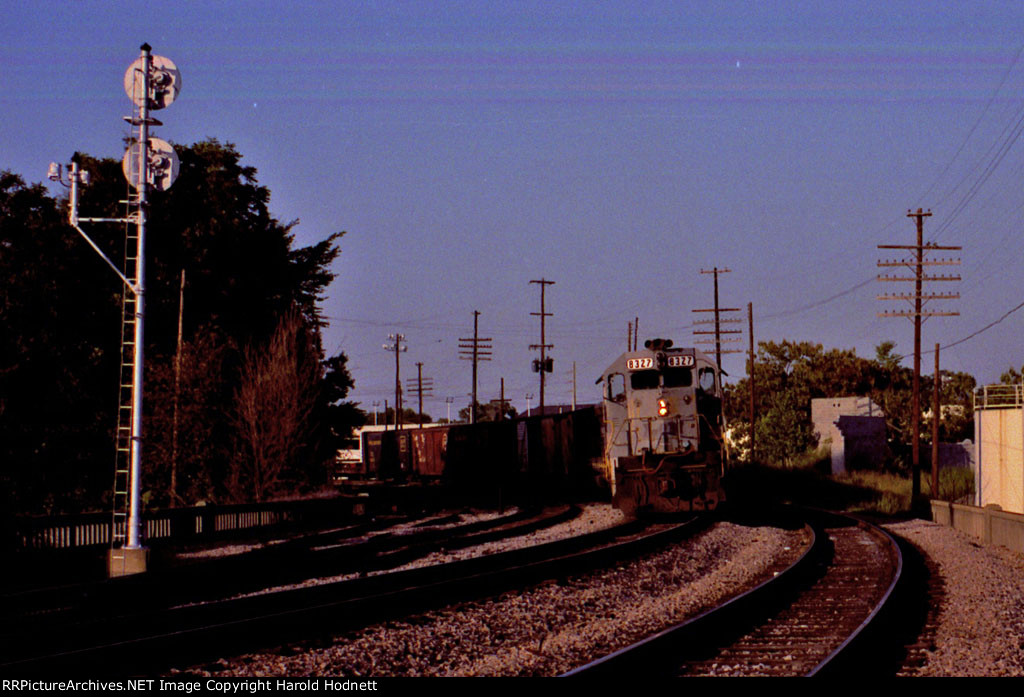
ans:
x=663 y=425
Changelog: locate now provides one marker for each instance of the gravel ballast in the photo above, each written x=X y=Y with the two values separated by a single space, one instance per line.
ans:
x=979 y=624
x=548 y=629
x=975 y=627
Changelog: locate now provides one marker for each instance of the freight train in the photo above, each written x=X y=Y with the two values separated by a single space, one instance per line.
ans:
x=663 y=429
x=654 y=443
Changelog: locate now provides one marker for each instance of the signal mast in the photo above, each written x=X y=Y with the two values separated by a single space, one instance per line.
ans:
x=152 y=83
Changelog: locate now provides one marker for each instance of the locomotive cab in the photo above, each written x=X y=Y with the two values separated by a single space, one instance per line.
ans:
x=663 y=448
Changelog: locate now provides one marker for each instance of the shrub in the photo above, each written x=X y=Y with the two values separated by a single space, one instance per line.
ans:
x=956 y=484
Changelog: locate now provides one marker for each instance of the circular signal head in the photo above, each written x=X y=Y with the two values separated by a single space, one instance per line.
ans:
x=164 y=82
x=161 y=168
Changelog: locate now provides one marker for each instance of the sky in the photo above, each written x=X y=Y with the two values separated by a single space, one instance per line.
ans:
x=615 y=148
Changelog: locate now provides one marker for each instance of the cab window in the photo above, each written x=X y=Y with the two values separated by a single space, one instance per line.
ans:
x=644 y=380
x=616 y=387
x=678 y=377
x=707 y=379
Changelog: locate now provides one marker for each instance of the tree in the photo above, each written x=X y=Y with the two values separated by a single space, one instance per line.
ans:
x=336 y=418
x=490 y=412
x=56 y=367
x=61 y=311
x=274 y=405
x=1011 y=376
x=785 y=431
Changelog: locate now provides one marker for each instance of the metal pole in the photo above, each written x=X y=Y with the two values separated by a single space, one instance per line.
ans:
x=135 y=476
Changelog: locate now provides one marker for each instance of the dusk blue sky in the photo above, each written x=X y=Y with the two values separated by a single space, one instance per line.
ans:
x=614 y=148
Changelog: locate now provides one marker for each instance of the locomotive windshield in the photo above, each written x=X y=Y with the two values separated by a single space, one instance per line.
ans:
x=644 y=380
x=678 y=377
x=651 y=379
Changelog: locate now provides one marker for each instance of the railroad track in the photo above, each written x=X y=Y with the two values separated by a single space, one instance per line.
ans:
x=820 y=616
x=155 y=640
x=350 y=549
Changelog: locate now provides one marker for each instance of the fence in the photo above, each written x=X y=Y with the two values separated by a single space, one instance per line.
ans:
x=175 y=526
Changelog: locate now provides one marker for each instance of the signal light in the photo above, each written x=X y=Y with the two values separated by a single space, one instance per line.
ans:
x=662 y=407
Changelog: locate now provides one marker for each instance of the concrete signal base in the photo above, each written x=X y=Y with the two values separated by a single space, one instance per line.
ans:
x=124 y=562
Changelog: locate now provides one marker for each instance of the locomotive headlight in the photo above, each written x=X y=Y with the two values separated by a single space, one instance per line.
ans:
x=662 y=407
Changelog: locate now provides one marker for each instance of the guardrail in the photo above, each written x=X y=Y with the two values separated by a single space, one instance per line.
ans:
x=990 y=525
x=177 y=525
x=999 y=396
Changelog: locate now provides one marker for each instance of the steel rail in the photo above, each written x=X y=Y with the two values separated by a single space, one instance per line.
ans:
x=188 y=635
x=325 y=553
x=662 y=653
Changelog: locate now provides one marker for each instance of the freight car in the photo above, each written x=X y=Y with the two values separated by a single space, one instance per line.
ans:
x=526 y=459
x=663 y=426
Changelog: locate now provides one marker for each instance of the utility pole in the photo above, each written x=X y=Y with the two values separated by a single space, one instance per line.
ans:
x=750 y=376
x=718 y=322
x=476 y=350
x=917 y=264
x=502 y=401
x=529 y=397
x=398 y=349
x=636 y=331
x=448 y=401
x=375 y=410
x=543 y=365
x=177 y=393
x=936 y=415
x=420 y=386
x=574 y=385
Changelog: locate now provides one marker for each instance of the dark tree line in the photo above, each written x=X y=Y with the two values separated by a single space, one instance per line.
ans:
x=789 y=374
x=251 y=333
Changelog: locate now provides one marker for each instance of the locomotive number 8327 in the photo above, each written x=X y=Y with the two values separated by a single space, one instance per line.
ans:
x=663 y=448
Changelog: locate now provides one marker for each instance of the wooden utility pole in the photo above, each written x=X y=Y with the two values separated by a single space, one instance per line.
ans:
x=718 y=322
x=476 y=350
x=177 y=393
x=574 y=385
x=543 y=365
x=917 y=264
x=936 y=415
x=421 y=385
x=398 y=349
x=750 y=376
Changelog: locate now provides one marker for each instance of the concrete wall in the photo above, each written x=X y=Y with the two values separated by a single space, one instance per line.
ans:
x=862 y=441
x=862 y=419
x=986 y=524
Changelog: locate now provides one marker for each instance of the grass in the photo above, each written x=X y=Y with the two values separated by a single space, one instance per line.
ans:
x=876 y=493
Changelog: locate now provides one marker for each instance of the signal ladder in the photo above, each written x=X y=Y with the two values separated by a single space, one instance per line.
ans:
x=122 y=456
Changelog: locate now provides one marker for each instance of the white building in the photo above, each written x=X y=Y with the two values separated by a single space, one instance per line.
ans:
x=855 y=427
x=999 y=447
